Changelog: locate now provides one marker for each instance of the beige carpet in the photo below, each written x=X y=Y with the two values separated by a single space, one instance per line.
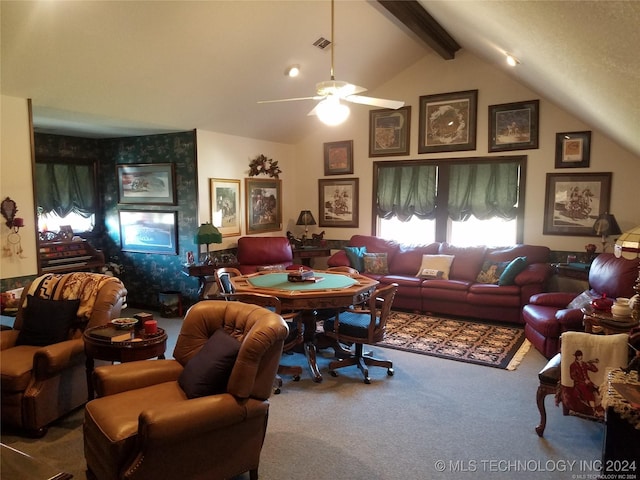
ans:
x=489 y=344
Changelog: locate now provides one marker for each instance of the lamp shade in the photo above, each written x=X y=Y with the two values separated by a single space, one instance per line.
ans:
x=207 y=234
x=606 y=225
x=331 y=112
x=306 y=218
x=628 y=244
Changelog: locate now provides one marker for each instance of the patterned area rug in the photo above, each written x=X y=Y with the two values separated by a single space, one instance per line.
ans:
x=456 y=339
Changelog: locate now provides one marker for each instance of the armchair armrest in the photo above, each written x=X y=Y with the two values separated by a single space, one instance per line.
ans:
x=8 y=338
x=112 y=379
x=54 y=358
x=553 y=299
x=570 y=319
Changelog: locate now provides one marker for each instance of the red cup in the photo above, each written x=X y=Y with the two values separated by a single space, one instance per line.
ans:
x=150 y=327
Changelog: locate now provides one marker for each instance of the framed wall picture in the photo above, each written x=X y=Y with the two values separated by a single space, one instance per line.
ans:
x=573 y=202
x=447 y=122
x=513 y=126
x=573 y=149
x=338 y=201
x=389 y=132
x=151 y=183
x=149 y=231
x=224 y=197
x=263 y=205
x=338 y=158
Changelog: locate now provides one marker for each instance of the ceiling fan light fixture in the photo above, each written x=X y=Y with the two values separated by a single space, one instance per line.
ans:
x=331 y=112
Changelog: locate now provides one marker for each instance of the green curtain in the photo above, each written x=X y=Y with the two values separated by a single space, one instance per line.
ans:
x=484 y=190
x=405 y=191
x=64 y=188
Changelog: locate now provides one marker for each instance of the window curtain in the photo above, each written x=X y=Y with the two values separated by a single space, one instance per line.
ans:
x=484 y=190
x=65 y=188
x=405 y=191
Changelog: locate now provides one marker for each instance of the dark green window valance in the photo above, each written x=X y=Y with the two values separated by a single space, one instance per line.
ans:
x=405 y=191
x=64 y=188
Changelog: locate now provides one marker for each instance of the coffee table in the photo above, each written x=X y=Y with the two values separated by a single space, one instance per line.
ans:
x=17 y=464
x=141 y=347
x=334 y=291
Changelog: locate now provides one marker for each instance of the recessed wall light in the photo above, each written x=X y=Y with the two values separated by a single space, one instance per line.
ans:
x=292 y=71
x=511 y=60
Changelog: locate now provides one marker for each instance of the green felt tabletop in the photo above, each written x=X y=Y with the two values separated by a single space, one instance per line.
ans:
x=279 y=281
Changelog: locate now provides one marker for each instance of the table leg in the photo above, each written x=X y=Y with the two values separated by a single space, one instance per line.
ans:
x=309 y=320
x=89 y=365
x=310 y=353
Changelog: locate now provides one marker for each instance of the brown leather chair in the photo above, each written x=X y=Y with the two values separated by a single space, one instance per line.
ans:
x=144 y=426
x=42 y=383
x=361 y=327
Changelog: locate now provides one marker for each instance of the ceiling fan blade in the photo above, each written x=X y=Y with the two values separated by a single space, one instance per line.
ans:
x=291 y=99
x=375 y=102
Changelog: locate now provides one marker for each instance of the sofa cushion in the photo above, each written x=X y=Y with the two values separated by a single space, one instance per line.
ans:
x=516 y=266
x=435 y=266
x=408 y=258
x=376 y=263
x=534 y=253
x=208 y=371
x=356 y=257
x=264 y=251
x=376 y=245
x=491 y=271
x=467 y=263
x=46 y=321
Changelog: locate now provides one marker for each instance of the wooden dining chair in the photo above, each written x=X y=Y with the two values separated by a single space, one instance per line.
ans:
x=223 y=279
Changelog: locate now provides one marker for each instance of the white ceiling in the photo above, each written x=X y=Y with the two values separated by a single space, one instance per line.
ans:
x=133 y=67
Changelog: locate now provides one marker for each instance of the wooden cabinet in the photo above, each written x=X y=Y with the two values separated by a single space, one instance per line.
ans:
x=72 y=256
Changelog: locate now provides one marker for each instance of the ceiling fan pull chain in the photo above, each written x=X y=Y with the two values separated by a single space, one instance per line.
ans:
x=332 y=42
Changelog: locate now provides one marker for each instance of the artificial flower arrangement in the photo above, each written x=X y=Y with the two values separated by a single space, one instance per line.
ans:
x=263 y=165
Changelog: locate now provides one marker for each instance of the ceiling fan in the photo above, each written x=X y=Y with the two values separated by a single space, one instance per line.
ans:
x=330 y=110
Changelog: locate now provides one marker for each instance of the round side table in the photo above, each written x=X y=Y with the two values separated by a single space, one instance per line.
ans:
x=141 y=347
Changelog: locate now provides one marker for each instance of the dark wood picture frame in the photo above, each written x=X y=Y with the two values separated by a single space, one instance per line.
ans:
x=338 y=158
x=149 y=183
x=224 y=198
x=338 y=202
x=389 y=132
x=448 y=122
x=573 y=149
x=514 y=126
x=573 y=202
x=149 y=231
x=263 y=205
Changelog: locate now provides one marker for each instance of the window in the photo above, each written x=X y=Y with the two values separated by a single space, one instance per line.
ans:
x=463 y=201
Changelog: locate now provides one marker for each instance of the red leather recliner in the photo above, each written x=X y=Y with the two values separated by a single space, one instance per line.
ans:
x=547 y=316
x=256 y=253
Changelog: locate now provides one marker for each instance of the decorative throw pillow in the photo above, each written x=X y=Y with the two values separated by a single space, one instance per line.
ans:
x=435 y=266
x=47 y=322
x=208 y=371
x=491 y=271
x=376 y=263
x=512 y=270
x=356 y=257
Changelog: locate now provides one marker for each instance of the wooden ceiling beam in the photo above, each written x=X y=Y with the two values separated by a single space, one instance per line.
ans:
x=413 y=15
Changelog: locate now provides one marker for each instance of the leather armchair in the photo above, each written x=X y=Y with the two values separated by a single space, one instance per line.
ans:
x=42 y=383
x=143 y=426
x=546 y=315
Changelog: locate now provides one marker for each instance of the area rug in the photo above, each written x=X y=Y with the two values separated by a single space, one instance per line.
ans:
x=481 y=343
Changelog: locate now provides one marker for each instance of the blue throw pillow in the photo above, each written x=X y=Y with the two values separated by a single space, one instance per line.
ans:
x=356 y=257
x=208 y=371
x=512 y=270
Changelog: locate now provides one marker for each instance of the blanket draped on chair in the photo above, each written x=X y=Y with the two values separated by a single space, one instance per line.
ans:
x=585 y=358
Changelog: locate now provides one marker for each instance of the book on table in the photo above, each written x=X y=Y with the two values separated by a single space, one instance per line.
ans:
x=111 y=333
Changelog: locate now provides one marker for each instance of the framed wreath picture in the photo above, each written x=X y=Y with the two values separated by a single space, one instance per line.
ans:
x=389 y=132
x=338 y=157
x=447 y=122
x=151 y=183
x=338 y=201
x=225 y=205
x=263 y=205
x=513 y=126
x=573 y=202
x=573 y=149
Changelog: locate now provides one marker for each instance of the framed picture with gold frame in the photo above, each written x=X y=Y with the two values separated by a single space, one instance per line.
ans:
x=263 y=203
x=224 y=197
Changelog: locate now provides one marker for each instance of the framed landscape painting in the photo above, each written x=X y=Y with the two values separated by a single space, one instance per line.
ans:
x=151 y=183
x=573 y=202
x=447 y=122
x=225 y=205
x=389 y=132
x=149 y=231
x=263 y=204
x=338 y=201
x=513 y=126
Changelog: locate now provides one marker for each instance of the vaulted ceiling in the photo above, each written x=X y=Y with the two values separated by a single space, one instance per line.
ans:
x=113 y=68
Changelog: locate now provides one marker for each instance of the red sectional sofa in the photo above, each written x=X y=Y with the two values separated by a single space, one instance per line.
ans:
x=460 y=294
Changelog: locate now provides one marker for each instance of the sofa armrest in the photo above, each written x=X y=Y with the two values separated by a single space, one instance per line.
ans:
x=535 y=273
x=112 y=379
x=55 y=358
x=553 y=299
x=570 y=319
x=339 y=259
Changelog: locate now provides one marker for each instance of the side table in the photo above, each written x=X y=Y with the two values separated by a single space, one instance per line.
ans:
x=305 y=254
x=596 y=321
x=141 y=347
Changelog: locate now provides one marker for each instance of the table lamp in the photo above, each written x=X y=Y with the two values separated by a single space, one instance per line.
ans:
x=628 y=246
x=305 y=218
x=604 y=226
x=206 y=235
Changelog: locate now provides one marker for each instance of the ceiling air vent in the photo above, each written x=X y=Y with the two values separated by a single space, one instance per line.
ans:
x=322 y=43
